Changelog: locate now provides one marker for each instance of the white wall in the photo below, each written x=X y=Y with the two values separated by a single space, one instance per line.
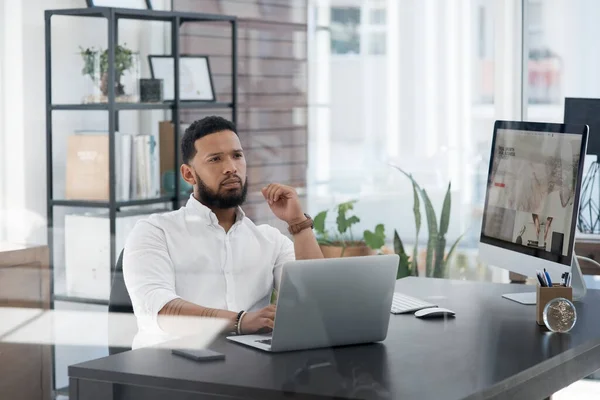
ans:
x=22 y=102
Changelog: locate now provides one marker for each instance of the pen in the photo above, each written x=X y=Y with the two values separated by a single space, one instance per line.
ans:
x=539 y=276
x=544 y=279
x=548 y=278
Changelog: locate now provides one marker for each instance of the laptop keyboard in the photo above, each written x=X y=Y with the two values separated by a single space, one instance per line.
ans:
x=264 y=341
x=405 y=304
x=401 y=304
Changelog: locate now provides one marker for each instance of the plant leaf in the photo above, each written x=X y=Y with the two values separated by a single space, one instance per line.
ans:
x=452 y=249
x=440 y=247
x=415 y=264
x=375 y=240
x=409 y=176
x=417 y=214
x=430 y=213
x=416 y=207
x=404 y=263
x=352 y=220
x=319 y=222
x=431 y=244
x=398 y=247
x=445 y=217
x=343 y=222
x=433 y=232
x=403 y=267
x=341 y=219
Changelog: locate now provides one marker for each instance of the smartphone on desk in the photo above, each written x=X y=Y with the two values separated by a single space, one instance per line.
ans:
x=199 y=355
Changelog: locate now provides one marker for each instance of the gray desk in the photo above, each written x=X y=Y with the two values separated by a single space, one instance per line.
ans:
x=492 y=350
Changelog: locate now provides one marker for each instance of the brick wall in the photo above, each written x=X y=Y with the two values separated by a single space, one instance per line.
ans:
x=272 y=86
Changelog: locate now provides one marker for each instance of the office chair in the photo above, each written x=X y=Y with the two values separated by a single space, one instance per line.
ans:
x=119 y=302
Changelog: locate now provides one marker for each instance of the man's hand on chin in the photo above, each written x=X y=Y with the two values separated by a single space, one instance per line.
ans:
x=284 y=203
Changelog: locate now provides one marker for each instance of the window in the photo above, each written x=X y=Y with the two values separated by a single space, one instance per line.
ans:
x=377 y=42
x=418 y=94
x=345 y=35
x=545 y=66
x=377 y=16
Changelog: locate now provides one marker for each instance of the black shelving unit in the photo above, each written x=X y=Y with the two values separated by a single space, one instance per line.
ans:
x=113 y=16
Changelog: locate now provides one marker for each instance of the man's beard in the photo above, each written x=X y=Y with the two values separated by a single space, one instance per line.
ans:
x=218 y=200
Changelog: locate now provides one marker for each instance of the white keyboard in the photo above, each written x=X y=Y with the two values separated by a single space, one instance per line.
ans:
x=405 y=304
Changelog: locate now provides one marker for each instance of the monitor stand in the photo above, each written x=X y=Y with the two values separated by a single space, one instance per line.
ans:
x=577 y=282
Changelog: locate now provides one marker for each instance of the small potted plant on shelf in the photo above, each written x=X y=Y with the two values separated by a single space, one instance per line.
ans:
x=342 y=242
x=95 y=65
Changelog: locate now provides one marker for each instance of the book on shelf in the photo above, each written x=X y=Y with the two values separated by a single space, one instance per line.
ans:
x=87 y=170
x=87 y=167
x=167 y=171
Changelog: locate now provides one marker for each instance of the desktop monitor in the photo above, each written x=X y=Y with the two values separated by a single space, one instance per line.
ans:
x=532 y=199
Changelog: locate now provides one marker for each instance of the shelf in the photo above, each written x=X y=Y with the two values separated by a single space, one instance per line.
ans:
x=201 y=104
x=106 y=204
x=143 y=202
x=79 y=107
x=80 y=203
x=81 y=300
x=143 y=14
x=118 y=106
x=140 y=106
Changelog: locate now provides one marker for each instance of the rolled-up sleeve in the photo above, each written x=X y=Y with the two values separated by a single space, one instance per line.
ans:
x=148 y=270
x=286 y=254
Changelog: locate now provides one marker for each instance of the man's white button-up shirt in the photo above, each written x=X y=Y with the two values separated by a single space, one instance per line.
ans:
x=187 y=254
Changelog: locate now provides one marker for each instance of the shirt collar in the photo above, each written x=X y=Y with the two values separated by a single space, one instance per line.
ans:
x=206 y=213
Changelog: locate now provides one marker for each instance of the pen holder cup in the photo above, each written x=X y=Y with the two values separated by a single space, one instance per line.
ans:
x=545 y=294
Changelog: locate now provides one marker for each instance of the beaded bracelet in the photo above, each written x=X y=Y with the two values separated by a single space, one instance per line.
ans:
x=239 y=324
x=236 y=326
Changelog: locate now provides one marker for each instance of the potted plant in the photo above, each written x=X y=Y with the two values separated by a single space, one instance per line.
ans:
x=95 y=65
x=342 y=241
x=436 y=261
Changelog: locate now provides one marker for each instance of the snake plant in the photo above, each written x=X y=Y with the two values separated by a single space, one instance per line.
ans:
x=436 y=260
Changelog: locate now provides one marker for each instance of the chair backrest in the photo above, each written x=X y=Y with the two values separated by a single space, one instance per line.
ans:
x=119 y=300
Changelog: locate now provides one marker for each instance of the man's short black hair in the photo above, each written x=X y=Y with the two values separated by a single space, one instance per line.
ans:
x=199 y=129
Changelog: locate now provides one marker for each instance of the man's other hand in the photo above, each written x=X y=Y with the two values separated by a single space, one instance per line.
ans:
x=284 y=203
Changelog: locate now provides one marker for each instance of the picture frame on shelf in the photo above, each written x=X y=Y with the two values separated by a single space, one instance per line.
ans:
x=195 y=77
x=134 y=4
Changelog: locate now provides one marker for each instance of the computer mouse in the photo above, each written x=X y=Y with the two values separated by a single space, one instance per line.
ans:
x=434 y=312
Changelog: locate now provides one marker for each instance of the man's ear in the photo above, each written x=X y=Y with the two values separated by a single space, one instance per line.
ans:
x=188 y=174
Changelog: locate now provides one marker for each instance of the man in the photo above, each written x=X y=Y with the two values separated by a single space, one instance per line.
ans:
x=207 y=259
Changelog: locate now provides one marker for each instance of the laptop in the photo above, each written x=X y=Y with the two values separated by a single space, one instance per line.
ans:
x=330 y=302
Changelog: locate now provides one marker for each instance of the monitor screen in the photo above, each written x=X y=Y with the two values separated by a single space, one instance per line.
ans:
x=587 y=112
x=533 y=189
